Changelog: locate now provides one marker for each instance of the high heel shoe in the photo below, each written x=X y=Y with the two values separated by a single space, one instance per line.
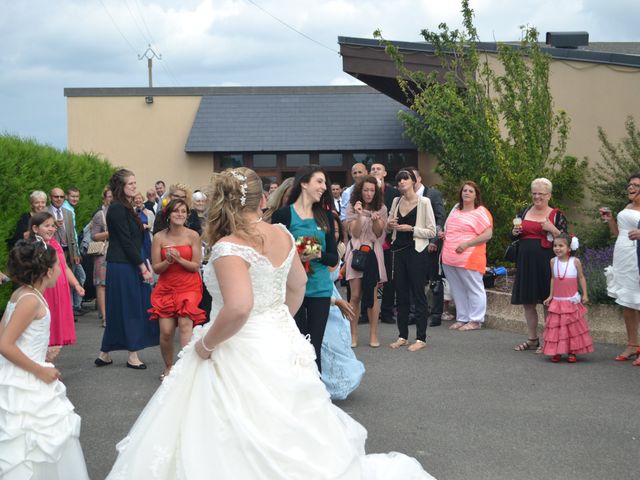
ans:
x=624 y=358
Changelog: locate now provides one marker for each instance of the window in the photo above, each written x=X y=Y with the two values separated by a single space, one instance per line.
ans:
x=264 y=160
x=297 y=159
x=366 y=158
x=231 y=160
x=330 y=159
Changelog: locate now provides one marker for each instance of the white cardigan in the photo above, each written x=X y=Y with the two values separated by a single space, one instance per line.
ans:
x=425 y=228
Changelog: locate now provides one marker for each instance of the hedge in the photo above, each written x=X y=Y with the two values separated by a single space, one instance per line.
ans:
x=25 y=166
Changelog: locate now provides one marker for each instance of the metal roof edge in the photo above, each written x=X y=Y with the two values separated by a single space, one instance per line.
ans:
x=212 y=91
x=608 y=58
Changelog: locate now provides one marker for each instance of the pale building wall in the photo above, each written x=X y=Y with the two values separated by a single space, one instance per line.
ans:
x=149 y=139
x=593 y=95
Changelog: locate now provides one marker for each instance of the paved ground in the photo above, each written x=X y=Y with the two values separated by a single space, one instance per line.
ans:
x=468 y=407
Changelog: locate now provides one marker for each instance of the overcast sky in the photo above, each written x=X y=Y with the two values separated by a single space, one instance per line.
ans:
x=49 y=45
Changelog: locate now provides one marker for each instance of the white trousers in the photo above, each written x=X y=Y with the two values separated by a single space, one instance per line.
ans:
x=467 y=290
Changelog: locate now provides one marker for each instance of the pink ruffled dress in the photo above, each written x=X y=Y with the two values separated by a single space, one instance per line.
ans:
x=566 y=330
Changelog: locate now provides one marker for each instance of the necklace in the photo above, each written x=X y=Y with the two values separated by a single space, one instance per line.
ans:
x=561 y=277
x=39 y=294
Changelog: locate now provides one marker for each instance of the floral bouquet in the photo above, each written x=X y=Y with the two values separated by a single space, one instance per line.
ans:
x=308 y=246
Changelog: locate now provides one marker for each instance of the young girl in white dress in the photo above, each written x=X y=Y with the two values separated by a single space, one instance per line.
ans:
x=245 y=400
x=40 y=431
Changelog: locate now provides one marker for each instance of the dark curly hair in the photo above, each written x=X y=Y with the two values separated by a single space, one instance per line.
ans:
x=356 y=194
x=30 y=260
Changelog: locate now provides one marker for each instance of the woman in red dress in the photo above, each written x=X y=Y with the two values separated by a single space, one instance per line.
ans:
x=175 y=254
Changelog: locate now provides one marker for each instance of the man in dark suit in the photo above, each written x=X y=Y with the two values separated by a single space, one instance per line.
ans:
x=379 y=171
x=65 y=234
x=433 y=249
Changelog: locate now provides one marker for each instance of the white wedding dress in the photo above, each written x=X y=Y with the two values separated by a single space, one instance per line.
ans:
x=257 y=409
x=39 y=431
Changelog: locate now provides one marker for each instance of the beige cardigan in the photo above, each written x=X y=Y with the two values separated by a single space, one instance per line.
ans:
x=425 y=222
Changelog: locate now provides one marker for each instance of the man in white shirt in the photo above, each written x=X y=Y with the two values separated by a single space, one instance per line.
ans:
x=358 y=170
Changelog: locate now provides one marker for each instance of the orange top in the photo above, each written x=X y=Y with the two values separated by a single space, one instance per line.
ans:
x=462 y=226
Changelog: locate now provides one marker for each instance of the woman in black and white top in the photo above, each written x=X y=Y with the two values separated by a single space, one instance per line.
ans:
x=412 y=223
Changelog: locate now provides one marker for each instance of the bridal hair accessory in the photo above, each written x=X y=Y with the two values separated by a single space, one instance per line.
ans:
x=243 y=187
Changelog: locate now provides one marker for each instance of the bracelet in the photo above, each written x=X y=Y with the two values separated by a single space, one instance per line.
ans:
x=204 y=346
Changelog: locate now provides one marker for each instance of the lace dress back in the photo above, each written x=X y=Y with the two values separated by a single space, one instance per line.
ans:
x=269 y=282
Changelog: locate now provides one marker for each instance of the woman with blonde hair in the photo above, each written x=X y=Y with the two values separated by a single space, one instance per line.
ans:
x=535 y=227
x=247 y=384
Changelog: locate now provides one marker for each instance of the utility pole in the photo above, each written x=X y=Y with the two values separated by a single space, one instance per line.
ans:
x=150 y=54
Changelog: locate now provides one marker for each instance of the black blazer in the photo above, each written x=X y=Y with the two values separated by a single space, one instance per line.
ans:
x=437 y=203
x=330 y=254
x=21 y=227
x=125 y=236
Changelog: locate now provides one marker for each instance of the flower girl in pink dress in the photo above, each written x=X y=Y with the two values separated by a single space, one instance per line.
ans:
x=566 y=330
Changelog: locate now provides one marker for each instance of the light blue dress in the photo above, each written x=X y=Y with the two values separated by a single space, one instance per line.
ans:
x=341 y=370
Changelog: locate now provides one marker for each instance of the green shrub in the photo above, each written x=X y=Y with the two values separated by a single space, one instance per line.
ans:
x=26 y=165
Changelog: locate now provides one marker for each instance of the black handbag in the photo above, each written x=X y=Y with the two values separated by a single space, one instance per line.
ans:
x=360 y=257
x=511 y=253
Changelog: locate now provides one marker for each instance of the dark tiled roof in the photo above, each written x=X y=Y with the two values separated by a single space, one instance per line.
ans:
x=322 y=118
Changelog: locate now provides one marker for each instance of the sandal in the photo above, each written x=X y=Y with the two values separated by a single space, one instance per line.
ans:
x=530 y=344
x=400 y=342
x=623 y=358
x=470 y=326
x=418 y=345
x=572 y=358
x=457 y=326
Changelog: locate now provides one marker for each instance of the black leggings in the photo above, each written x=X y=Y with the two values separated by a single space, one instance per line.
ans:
x=311 y=319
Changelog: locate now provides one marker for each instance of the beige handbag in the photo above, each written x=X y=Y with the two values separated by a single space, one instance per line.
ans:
x=99 y=248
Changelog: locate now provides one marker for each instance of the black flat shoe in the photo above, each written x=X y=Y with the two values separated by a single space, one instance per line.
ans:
x=101 y=363
x=140 y=366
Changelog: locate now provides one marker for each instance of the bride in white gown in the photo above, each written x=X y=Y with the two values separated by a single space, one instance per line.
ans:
x=245 y=400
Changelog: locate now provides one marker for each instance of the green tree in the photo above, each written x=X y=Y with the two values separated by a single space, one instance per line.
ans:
x=608 y=178
x=26 y=165
x=498 y=129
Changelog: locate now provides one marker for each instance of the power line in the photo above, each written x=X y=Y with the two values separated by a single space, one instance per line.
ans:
x=292 y=28
x=143 y=21
x=135 y=22
x=118 y=28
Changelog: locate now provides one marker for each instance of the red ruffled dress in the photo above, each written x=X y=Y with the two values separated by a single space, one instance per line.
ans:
x=178 y=291
x=566 y=330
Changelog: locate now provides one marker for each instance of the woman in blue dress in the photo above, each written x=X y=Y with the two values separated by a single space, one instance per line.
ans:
x=128 y=279
x=342 y=371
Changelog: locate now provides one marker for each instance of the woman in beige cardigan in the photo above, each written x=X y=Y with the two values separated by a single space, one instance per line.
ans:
x=412 y=224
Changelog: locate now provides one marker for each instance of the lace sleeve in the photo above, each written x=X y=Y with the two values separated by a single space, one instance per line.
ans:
x=226 y=249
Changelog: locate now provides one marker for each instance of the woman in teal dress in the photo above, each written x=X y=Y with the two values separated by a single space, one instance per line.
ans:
x=308 y=215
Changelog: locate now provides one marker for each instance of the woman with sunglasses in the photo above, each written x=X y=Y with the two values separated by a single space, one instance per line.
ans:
x=623 y=280
x=411 y=224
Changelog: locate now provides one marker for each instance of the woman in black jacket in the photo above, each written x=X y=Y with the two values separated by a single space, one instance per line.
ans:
x=308 y=215
x=128 y=280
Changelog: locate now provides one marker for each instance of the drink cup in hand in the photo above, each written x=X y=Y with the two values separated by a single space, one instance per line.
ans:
x=605 y=213
x=517 y=224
